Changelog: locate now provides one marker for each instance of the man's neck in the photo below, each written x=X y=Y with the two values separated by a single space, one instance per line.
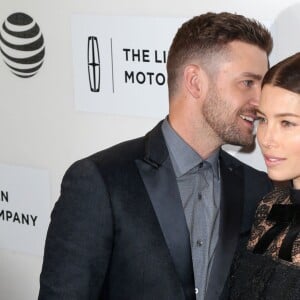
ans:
x=195 y=135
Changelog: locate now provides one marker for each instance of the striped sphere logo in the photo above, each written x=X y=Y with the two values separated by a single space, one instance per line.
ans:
x=22 y=45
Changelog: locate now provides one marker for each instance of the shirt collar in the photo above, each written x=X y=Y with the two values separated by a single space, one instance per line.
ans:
x=184 y=157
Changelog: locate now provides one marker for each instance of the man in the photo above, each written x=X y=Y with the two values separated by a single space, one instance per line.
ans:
x=160 y=217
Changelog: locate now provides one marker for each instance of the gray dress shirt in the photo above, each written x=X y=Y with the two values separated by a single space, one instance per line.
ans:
x=199 y=187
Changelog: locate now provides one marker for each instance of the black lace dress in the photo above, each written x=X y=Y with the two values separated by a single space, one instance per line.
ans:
x=268 y=266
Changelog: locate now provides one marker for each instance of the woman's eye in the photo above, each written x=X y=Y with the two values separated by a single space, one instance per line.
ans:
x=286 y=123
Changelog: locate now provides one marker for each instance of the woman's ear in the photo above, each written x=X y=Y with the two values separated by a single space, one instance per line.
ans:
x=195 y=80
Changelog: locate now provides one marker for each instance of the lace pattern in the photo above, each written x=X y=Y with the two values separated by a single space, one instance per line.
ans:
x=262 y=225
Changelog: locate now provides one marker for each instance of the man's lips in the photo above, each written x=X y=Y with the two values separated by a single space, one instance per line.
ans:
x=273 y=160
x=248 y=119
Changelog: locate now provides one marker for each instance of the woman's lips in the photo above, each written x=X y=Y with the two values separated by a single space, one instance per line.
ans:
x=272 y=161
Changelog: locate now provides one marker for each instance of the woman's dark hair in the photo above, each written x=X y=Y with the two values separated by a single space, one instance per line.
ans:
x=285 y=74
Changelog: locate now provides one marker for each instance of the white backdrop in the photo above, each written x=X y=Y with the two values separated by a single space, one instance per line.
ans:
x=40 y=127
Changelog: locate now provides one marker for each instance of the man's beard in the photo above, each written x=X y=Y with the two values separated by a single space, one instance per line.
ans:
x=218 y=115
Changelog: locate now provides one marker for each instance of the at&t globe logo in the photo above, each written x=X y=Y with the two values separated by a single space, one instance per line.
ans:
x=22 y=45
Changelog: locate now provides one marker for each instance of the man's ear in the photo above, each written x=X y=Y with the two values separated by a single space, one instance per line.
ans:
x=195 y=80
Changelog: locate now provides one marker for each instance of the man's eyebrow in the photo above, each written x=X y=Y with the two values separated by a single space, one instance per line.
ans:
x=252 y=75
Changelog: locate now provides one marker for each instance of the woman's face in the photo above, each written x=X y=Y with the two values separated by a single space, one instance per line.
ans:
x=278 y=133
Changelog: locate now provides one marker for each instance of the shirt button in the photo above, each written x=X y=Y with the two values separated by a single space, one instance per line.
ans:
x=199 y=196
x=199 y=243
x=201 y=165
x=196 y=291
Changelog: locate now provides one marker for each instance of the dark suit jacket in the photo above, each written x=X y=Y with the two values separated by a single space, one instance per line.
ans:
x=118 y=230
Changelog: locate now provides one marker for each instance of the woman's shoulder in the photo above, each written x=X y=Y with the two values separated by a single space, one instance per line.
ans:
x=262 y=271
x=279 y=195
x=261 y=224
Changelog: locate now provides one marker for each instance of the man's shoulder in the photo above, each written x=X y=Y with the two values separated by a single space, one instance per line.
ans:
x=130 y=150
x=117 y=157
x=121 y=151
x=124 y=153
x=112 y=160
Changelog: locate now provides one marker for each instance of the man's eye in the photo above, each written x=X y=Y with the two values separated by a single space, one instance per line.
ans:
x=248 y=83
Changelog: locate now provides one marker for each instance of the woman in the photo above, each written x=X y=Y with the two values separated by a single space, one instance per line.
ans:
x=269 y=268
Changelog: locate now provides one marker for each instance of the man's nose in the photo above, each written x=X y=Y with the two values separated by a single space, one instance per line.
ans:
x=256 y=96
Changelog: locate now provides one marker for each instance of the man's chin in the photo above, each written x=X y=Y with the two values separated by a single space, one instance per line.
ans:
x=248 y=145
x=244 y=142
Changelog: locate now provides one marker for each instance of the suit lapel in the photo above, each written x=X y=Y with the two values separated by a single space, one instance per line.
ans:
x=160 y=182
x=230 y=222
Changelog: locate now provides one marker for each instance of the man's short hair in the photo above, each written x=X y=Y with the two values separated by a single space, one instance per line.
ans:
x=205 y=35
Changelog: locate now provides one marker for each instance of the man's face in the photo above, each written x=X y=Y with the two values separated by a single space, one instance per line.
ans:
x=230 y=107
